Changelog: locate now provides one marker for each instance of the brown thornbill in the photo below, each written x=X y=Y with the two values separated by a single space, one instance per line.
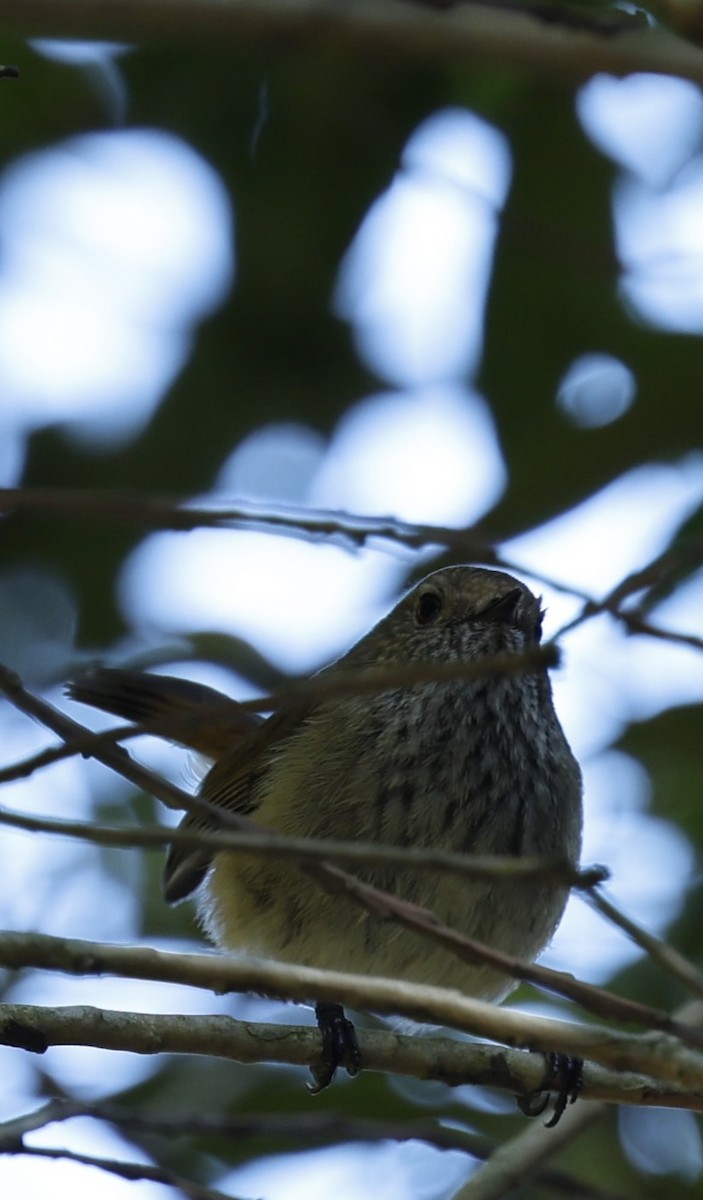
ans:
x=474 y=765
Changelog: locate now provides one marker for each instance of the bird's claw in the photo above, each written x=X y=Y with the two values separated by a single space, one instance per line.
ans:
x=339 y=1047
x=569 y=1072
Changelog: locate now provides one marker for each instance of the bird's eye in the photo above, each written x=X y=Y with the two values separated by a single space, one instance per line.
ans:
x=428 y=608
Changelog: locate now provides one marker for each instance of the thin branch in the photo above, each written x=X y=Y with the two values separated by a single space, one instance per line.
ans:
x=311 y=1127
x=53 y=754
x=34 y=1028
x=179 y=515
x=593 y=999
x=521 y=1158
x=391 y=675
x=308 y=1128
x=132 y=1171
x=271 y=845
x=666 y=956
x=662 y=1056
x=685 y=555
x=633 y=622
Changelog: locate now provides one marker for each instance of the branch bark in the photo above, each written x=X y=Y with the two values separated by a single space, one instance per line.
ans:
x=662 y=1056
x=35 y=1028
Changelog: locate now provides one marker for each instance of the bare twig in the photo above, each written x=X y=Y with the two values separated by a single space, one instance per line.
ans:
x=593 y=999
x=180 y=515
x=314 y=1128
x=666 y=956
x=367 y=681
x=686 y=555
x=54 y=754
x=132 y=1171
x=15 y=1128
x=637 y=624
x=633 y=622
x=311 y=1128
x=371 y=680
x=92 y=745
x=271 y=845
x=523 y=1156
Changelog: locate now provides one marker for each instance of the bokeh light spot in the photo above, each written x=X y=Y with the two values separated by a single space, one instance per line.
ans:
x=596 y=390
x=649 y=124
x=114 y=245
x=414 y=281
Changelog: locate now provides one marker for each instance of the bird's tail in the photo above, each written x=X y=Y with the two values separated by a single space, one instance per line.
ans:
x=178 y=709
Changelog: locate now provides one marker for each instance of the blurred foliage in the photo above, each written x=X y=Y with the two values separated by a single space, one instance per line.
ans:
x=336 y=122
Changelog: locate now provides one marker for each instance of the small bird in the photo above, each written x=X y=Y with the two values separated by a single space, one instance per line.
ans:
x=476 y=765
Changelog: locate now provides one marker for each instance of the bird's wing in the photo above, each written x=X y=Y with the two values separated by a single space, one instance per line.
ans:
x=231 y=785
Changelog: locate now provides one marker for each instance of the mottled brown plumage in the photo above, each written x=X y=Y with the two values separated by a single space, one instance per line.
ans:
x=468 y=765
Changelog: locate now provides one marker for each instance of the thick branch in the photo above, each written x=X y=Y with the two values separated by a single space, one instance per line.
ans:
x=446 y=1060
x=661 y=1056
x=386 y=906
x=333 y=879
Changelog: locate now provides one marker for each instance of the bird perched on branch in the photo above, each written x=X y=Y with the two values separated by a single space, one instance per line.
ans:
x=475 y=765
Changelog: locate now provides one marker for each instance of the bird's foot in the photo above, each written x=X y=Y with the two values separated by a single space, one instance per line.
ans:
x=339 y=1046
x=564 y=1071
